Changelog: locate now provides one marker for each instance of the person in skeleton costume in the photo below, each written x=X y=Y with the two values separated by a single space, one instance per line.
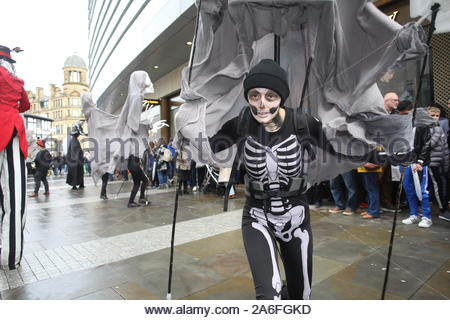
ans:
x=346 y=46
x=119 y=142
x=74 y=156
x=13 y=152
x=276 y=208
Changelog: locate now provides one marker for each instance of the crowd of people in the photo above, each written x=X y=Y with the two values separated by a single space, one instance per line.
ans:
x=373 y=188
x=369 y=190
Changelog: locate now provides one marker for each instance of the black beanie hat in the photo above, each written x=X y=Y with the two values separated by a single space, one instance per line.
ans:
x=267 y=74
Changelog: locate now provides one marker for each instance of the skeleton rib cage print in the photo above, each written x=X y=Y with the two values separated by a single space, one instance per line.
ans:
x=273 y=166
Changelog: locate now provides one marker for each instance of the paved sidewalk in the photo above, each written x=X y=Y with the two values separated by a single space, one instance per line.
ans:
x=80 y=247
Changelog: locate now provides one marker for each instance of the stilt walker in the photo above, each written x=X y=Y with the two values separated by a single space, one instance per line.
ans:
x=13 y=152
x=117 y=142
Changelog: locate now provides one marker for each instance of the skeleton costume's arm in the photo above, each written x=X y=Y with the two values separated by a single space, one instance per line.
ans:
x=310 y=131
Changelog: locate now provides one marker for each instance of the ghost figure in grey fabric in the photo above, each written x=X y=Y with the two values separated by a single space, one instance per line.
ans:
x=352 y=44
x=113 y=138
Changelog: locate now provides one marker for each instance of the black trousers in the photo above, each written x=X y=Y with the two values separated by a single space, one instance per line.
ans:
x=105 y=178
x=40 y=175
x=296 y=253
x=139 y=179
x=438 y=179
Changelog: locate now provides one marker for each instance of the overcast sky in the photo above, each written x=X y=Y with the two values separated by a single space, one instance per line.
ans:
x=49 y=31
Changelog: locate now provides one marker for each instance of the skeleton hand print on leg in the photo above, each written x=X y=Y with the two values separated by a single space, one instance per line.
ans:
x=283 y=225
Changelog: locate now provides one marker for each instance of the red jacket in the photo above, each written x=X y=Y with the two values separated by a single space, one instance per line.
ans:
x=13 y=100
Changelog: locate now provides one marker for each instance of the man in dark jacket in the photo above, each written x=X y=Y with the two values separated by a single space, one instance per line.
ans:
x=42 y=161
x=439 y=163
x=421 y=152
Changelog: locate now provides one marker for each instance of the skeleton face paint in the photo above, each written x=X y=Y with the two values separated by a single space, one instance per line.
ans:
x=264 y=104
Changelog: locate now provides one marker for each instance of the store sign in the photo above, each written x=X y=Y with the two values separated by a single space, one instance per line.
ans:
x=393 y=16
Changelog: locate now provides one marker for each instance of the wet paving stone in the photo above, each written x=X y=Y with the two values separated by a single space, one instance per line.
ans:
x=80 y=247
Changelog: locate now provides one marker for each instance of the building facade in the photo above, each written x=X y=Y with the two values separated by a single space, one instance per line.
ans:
x=63 y=106
x=155 y=36
x=40 y=127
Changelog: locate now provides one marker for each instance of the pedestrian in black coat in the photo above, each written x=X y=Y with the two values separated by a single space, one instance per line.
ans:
x=43 y=162
x=74 y=158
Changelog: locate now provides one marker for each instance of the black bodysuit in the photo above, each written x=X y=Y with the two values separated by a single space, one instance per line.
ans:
x=273 y=159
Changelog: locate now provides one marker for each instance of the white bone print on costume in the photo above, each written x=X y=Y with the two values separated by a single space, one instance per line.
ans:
x=276 y=278
x=274 y=166
x=284 y=224
x=304 y=237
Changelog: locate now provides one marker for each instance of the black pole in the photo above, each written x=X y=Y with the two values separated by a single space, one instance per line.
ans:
x=305 y=84
x=172 y=240
x=195 y=42
x=434 y=9
x=391 y=242
x=276 y=49
x=175 y=209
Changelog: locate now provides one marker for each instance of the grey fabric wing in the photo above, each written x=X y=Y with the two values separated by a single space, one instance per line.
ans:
x=352 y=45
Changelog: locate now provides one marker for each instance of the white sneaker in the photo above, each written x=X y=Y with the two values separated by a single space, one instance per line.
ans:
x=411 y=220
x=425 y=223
x=194 y=188
x=347 y=212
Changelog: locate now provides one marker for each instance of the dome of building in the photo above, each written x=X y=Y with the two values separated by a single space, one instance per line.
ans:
x=75 y=61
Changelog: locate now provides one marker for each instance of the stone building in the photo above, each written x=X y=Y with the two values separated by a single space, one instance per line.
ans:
x=63 y=106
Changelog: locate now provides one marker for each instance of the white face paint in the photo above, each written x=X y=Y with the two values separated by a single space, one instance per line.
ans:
x=148 y=85
x=263 y=102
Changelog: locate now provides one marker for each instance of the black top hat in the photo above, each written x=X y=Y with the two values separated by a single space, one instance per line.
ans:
x=5 y=53
x=77 y=129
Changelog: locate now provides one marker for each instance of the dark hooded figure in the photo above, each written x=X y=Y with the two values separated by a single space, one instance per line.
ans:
x=74 y=158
